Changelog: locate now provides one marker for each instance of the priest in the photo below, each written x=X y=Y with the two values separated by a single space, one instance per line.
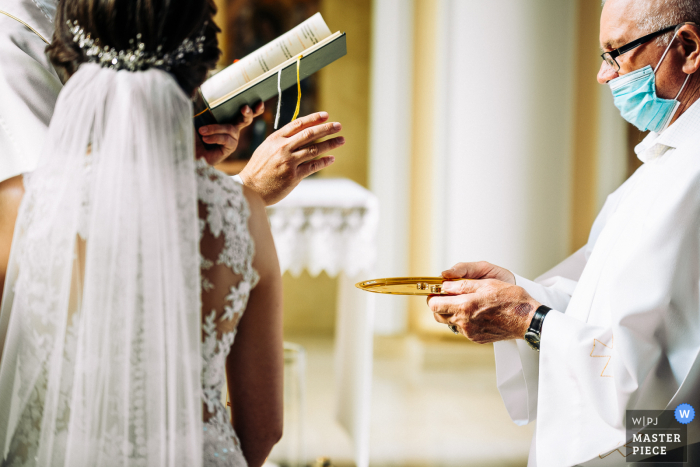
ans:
x=29 y=87
x=616 y=326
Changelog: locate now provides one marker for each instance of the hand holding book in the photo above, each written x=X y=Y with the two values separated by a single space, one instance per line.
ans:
x=218 y=141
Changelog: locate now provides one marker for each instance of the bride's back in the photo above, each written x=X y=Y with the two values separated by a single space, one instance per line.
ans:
x=239 y=273
x=135 y=266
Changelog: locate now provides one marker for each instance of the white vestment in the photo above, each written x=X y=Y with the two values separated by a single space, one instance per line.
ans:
x=29 y=84
x=624 y=332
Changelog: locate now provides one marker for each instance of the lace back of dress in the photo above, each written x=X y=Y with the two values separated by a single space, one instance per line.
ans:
x=102 y=356
x=227 y=278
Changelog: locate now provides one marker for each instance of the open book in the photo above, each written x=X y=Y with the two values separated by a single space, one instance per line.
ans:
x=254 y=78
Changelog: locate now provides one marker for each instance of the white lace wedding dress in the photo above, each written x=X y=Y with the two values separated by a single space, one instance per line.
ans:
x=225 y=214
x=108 y=356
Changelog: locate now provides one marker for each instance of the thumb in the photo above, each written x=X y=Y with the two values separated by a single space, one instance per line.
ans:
x=452 y=273
x=466 y=270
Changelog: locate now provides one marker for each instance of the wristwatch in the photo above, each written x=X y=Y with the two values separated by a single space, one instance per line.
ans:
x=532 y=336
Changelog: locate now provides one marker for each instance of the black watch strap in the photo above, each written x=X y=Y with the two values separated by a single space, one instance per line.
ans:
x=534 y=332
x=538 y=319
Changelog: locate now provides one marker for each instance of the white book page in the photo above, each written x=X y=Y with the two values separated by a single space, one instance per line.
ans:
x=291 y=61
x=287 y=46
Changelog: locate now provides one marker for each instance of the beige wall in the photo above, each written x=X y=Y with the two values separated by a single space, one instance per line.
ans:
x=422 y=155
x=219 y=19
x=586 y=134
x=344 y=87
x=309 y=304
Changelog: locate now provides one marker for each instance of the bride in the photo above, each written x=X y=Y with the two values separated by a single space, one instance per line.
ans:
x=140 y=278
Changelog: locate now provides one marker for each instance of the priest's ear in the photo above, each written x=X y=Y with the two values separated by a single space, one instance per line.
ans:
x=688 y=36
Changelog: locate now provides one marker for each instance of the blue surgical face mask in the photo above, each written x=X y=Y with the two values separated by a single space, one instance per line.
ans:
x=635 y=96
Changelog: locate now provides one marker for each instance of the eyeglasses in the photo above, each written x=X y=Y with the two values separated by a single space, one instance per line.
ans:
x=610 y=57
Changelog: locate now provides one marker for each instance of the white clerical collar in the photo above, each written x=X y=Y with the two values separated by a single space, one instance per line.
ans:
x=684 y=129
x=38 y=14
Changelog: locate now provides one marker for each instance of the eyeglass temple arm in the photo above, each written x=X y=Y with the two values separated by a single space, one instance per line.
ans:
x=636 y=43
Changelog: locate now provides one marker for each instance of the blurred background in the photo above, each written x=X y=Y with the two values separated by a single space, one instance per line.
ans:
x=481 y=129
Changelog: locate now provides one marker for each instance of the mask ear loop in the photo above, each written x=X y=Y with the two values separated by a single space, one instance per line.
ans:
x=666 y=51
x=684 y=82
x=664 y=56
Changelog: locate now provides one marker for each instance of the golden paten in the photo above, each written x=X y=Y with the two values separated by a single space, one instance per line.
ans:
x=405 y=285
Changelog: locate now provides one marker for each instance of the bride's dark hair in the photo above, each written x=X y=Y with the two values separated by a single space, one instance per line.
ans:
x=114 y=23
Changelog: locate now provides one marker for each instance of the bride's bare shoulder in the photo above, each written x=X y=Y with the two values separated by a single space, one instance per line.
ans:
x=259 y=227
x=255 y=201
x=225 y=204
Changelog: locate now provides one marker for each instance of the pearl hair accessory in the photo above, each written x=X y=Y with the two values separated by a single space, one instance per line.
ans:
x=136 y=57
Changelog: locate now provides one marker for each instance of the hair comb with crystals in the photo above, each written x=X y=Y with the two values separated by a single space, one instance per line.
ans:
x=135 y=58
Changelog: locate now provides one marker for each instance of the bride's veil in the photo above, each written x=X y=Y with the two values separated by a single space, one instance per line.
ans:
x=101 y=317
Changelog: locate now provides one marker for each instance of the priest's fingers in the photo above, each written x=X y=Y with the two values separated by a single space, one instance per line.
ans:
x=472 y=331
x=476 y=333
x=450 y=304
x=479 y=270
x=313 y=133
x=313 y=166
x=484 y=334
x=292 y=128
x=469 y=330
x=314 y=150
x=442 y=318
x=474 y=270
x=465 y=287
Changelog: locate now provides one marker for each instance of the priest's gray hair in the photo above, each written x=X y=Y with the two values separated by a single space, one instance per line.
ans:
x=654 y=15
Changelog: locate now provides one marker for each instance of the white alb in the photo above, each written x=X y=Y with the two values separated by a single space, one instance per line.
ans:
x=29 y=85
x=625 y=330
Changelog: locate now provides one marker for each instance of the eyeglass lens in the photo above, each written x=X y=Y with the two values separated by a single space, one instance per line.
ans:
x=611 y=62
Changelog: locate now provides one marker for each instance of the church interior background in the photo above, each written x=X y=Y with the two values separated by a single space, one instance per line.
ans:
x=484 y=135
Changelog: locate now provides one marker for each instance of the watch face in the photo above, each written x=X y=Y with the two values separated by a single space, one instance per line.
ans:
x=533 y=340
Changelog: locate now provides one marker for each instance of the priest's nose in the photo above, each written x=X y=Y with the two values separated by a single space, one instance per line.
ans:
x=606 y=73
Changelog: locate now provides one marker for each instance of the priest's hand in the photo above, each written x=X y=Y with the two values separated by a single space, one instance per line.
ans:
x=479 y=270
x=486 y=310
x=225 y=137
x=289 y=155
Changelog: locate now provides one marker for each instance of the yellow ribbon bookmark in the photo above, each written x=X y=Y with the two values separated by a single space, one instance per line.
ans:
x=296 y=112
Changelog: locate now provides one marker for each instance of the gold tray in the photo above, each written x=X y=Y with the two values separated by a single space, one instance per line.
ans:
x=405 y=285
